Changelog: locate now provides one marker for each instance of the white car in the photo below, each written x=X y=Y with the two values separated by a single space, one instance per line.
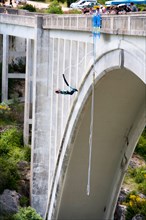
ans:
x=79 y=3
x=87 y=5
x=21 y=2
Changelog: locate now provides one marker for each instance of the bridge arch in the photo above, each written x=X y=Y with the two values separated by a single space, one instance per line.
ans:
x=119 y=119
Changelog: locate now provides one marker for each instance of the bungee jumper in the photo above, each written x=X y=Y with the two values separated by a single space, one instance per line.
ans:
x=66 y=92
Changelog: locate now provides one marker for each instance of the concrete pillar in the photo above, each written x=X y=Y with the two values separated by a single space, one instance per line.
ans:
x=40 y=120
x=5 y=67
x=28 y=78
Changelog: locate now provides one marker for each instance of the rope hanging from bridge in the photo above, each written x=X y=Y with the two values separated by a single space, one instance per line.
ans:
x=96 y=23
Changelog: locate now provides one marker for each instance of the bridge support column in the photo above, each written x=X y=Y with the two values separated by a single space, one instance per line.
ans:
x=28 y=88
x=5 y=67
x=40 y=120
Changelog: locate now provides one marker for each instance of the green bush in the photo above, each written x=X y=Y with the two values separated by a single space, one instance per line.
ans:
x=7 y=217
x=8 y=175
x=142 y=187
x=133 y=192
x=11 y=152
x=141 y=146
x=12 y=111
x=54 y=8
x=0 y=80
x=69 y=2
x=59 y=1
x=12 y=137
x=142 y=7
x=10 y=142
x=16 y=114
x=140 y=175
x=27 y=213
x=29 y=7
x=131 y=172
x=24 y=201
x=136 y=205
x=11 y=146
x=27 y=153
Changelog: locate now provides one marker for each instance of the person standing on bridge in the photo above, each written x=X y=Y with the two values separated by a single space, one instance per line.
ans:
x=11 y=3
x=133 y=7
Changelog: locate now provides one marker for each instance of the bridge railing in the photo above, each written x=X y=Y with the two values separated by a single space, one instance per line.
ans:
x=21 y=20
x=130 y=24
x=68 y=22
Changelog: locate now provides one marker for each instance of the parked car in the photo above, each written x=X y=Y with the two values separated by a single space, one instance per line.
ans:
x=86 y=5
x=78 y=4
x=21 y=2
x=90 y=5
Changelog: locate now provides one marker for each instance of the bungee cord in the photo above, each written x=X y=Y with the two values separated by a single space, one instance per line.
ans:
x=96 y=22
x=91 y=138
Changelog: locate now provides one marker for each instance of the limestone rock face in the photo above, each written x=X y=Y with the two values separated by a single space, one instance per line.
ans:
x=9 y=202
x=24 y=182
x=138 y=217
x=120 y=212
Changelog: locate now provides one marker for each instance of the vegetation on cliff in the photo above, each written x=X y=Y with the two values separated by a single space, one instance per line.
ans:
x=27 y=213
x=135 y=182
x=12 y=154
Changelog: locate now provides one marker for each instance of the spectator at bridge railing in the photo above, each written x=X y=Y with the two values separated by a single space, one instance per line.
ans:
x=123 y=9
x=119 y=9
x=96 y=9
x=103 y=9
x=3 y=2
x=113 y=10
x=11 y=3
x=133 y=7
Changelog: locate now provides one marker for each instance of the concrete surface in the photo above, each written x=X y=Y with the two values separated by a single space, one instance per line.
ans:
x=60 y=124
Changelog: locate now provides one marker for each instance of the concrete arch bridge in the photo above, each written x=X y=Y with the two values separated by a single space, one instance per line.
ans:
x=57 y=45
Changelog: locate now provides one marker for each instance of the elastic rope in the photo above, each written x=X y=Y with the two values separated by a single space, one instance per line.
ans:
x=91 y=123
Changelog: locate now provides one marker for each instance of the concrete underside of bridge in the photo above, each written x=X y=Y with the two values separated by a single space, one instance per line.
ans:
x=119 y=118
